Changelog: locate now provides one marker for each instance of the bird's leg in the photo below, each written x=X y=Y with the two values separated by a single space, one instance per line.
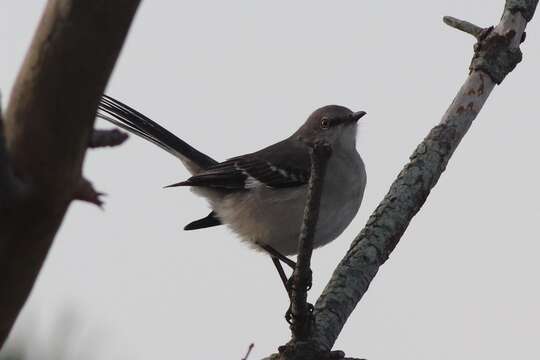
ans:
x=307 y=284
x=289 y=286
x=287 y=282
x=282 y=274
x=276 y=258
x=275 y=254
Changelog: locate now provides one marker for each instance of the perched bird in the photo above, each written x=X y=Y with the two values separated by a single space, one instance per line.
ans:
x=261 y=196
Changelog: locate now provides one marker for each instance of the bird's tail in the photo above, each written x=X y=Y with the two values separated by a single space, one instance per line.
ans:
x=136 y=123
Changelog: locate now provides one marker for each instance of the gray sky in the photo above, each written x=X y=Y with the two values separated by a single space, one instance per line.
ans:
x=463 y=282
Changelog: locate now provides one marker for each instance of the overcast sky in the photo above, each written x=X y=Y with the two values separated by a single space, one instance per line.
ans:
x=232 y=76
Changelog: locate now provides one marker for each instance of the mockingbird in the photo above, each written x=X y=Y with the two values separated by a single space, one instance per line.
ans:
x=261 y=196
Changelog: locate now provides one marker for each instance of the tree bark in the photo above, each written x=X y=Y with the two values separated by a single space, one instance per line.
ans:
x=47 y=129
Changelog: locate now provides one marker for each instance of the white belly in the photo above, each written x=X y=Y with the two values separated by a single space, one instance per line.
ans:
x=274 y=216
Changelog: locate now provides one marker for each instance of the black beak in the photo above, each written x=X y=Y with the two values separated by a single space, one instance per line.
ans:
x=358 y=115
x=352 y=118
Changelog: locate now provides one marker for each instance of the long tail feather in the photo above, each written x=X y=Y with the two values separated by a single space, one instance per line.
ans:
x=133 y=121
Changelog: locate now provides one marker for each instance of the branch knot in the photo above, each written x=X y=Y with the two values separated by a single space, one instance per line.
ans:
x=494 y=56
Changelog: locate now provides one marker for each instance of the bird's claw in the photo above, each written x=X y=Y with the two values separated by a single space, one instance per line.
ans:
x=307 y=286
x=289 y=316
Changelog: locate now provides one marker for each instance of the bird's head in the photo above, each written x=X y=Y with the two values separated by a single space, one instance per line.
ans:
x=333 y=124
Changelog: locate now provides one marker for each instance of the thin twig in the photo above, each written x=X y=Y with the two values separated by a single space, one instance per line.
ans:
x=301 y=278
x=464 y=26
x=251 y=346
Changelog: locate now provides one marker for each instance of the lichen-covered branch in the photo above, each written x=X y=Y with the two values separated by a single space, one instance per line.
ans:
x=48 y=124
x=525 y=7
x=464 y=26
x=495 y=56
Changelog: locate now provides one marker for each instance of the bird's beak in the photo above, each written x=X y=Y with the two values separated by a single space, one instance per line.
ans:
x=358 y=115
x=352 y=118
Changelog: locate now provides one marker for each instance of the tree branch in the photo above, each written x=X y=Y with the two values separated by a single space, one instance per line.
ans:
x=47 y=129
x=409 y=191
x=250 y=348
x=301 y=277
x=104 y=138
x=86 y=192
x=463 y=25
x=4 y=163
x=7 y=180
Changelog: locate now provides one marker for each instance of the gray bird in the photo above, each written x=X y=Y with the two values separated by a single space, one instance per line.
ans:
x=261 y=196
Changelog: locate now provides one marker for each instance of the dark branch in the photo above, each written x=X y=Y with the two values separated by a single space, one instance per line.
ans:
x=5 y=169
x=301 y=312
x=104 y=138
x=48 y=124
x=86 y=192
x=250 y=347
x=525 y=7
x=301 y=278
x=7 y=179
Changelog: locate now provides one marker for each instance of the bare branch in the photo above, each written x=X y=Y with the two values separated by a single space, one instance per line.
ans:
x=104 y=138
x=301 y=278
x=251 y=346
x=410 y=190
x=463 y=25
x=47 y=129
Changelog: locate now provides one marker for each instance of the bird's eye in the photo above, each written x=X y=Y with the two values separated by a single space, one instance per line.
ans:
x=325 y=124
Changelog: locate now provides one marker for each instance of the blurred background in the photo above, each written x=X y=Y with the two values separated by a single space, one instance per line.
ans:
x=128 y=283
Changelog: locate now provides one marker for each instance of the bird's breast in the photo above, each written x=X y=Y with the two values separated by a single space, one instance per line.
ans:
x=273 y=216
x=343 y=191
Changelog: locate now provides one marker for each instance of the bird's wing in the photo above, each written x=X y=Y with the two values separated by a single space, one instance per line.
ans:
x=285 y=164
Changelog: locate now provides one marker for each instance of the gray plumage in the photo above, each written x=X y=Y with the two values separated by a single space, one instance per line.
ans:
x=261 y=196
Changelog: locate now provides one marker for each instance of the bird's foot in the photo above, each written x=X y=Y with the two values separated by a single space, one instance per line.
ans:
x=305 y=282
x=290 y=318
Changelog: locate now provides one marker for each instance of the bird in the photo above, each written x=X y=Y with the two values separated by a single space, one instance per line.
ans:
x=261 y=195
